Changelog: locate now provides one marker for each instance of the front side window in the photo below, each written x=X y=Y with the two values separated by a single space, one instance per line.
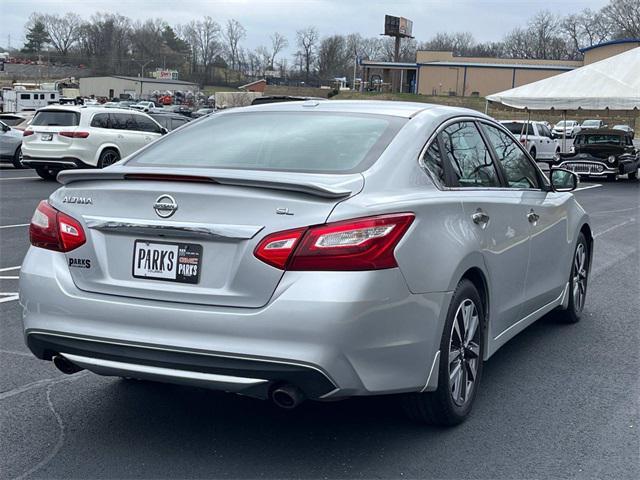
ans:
x=145 y=124
x=313 y=142
x=519 y=171
x=469 y=157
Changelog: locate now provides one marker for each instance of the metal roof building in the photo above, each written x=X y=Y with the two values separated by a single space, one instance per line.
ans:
x=115 y=85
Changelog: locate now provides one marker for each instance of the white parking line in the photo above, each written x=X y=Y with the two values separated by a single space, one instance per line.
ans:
x=3 y=277
x=621 y=224
x=7 y=269
x=16 y=178
x=587 y=187
x=9 y=299
x=15 y=226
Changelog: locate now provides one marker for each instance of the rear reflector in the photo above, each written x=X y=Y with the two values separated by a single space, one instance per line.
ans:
x=168 y=178
x=54 y=230
x=359 y=244
x=74 y=134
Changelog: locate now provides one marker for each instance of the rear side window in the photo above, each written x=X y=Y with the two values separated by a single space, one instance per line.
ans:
x=323 y=142
x=101 y=120
x=469 y=156
x=12 y=121
x=524 y=129
x=56 y=118
x=432 y=160
x=122 y=121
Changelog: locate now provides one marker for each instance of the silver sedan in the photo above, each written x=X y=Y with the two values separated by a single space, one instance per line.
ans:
x=313 y=250
x=10 y=145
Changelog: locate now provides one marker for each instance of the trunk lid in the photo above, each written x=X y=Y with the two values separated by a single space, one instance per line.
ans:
x=221 y=214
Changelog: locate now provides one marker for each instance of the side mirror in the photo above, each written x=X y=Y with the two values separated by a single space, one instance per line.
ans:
x=163 y=130
x=563 y=180
x=5 y=128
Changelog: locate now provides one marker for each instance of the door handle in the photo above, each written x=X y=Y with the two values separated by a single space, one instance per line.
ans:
x=480 y=218
x=533 y=217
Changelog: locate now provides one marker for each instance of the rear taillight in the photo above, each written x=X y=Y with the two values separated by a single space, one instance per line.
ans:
x=359 y=244
x=54 y=230
x=26 y=133
x=74 y=134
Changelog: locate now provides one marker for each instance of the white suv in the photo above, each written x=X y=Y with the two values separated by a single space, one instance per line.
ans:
x=62 y=137
x=535 y=137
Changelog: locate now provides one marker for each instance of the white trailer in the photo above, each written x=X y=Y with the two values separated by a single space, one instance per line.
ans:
x=25 y=100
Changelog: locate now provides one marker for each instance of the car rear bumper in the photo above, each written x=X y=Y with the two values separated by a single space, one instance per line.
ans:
x=55 y=163
x=332 y=334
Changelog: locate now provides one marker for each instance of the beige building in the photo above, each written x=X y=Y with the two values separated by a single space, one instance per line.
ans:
x=442 y=73
x=115 y=85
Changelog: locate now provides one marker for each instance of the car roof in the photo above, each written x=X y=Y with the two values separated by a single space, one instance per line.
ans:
x=87 y=108
x=377 y=107
x=603 y=131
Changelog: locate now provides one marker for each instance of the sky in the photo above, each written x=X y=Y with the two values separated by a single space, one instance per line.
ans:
x=487 y=20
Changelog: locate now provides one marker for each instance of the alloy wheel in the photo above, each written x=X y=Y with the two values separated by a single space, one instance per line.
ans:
x=579 y=275
x=464 y=352
x=109 y=158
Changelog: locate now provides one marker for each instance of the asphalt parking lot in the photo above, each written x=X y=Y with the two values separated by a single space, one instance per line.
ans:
x=558 y=401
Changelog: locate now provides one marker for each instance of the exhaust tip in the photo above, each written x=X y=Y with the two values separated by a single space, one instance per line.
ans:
x=65 y=366
x=287 y=397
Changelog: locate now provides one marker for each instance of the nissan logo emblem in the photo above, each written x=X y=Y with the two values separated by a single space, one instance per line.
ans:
x=165 y=206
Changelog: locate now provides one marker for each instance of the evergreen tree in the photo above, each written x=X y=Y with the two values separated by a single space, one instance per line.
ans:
x=36 y=38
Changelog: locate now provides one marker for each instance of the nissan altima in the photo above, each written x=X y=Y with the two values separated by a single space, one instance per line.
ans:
x=308 y=250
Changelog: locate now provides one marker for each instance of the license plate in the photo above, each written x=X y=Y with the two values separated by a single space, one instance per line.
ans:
x=46 y=137
x=173 y=262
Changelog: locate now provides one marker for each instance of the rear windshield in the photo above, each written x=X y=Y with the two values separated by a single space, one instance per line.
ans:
x=12 y=121
x=519 y=128
x=285 y=141
x=598 y=140
x=55 y=118
x=591 y=123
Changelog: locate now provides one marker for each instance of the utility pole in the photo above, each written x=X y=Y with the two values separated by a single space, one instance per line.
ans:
x=142 y=64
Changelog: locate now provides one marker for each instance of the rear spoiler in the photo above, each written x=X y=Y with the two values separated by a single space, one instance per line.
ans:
x=317 y=185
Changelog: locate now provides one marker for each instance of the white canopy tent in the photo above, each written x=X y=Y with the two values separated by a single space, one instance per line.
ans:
x=612 y=83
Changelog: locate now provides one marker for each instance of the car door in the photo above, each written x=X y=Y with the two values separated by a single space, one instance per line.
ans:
x=548 y=144
x=125 y=134
x=4 y=140
x=496 y=216
x=546 y=213
x=148 y=127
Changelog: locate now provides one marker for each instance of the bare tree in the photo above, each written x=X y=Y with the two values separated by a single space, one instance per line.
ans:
x=233 y=33
x=308 y=44
x=333 y=57
x=63 y=31
x=624 y=17
x=204 y=36
x=278 y=43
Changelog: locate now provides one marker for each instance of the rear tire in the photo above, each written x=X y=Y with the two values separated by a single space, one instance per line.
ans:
x=108 y=157
x=578 y=281
x=17 y=159
x=460 y=366
x=46 y=174
x=532 y=152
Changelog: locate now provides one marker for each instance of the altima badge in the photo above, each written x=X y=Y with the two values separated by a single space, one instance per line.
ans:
x=78 y=200
x=165 y=206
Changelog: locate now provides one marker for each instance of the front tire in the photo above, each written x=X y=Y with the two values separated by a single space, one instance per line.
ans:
x=633 y=175
x=460 y=366
x=17 y=159
x=578 y=281
x=532 y=152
